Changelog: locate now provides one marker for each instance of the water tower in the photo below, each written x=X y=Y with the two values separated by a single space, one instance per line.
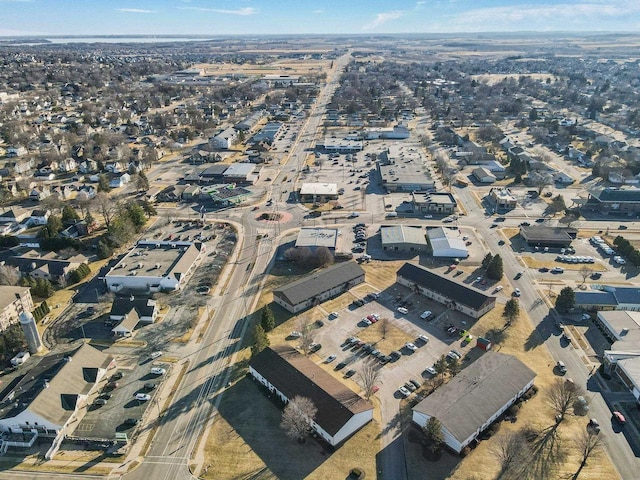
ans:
x=28 y=323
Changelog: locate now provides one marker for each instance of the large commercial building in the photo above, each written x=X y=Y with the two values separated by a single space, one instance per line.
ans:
x=312 y=238
x=539 y=236
x=318 y=192
x=609 y=297
x=440 y=203
x=318 y=287
x=155 y=266
x=13 y=301
x=615 y=201
x=470 y=402
x=405 y=178
x=403 y=238
x=456 y=296
x=287 y=374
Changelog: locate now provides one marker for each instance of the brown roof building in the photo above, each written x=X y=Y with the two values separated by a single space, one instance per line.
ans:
x=287 y=373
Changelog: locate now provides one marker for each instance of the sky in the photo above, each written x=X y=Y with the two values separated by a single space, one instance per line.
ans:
x=245 y=17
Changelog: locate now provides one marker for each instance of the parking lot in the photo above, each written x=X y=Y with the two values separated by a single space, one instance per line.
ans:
x=402 y=328
x=102 y=421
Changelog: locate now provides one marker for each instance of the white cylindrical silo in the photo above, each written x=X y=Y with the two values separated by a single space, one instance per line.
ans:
x=28 y=323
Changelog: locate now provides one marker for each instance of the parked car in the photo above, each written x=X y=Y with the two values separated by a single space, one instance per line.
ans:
x=518 y=275
x=423 y=338
x=618 y=417
x=158 y=371
x=403 y=310
x=131 y=422
x=516 y=292
x=330 y=359
x=395 y=355
x=143 y=397
x=111 y=385
x=453 y=356
x=100 y=401
x=404 y=392
x=557 y=270
x=431 y=371
x=295 y=334
x=410 y=386
x=594 y=425
x=426 y=314
x=117 y=376
x=314 y=347
x=411 y=346
x=562 y=368
x=414 y=383
x=334 y=315
x=156 y=354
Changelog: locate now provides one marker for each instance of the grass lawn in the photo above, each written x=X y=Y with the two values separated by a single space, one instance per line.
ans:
x=524 y=343
x=246 y=442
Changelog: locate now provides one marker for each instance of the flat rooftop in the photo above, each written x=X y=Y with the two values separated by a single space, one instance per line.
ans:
x=317 y=237
x=153 y=259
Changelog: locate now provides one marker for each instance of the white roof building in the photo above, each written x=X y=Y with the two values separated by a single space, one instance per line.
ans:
x=319 y=189
x=444 y=244
x=317 y=237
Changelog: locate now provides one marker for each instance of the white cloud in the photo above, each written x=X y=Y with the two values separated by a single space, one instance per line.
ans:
x=543 y=12
x=382 y=18
x=240 y=11
x=134 y=10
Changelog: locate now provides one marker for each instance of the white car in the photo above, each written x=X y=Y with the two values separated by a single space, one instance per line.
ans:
x=295 y=334
x=403 y=310
x=143 y=397
x=330 y=359
x=411 y=346
x=424 y=338
x=498 y=288
x=557 y=270
x=428 y=216
x=426 y=314
x=516 y=292
x=366 y=321
x=404 y=391
x=431 y=371
x=333 y=315
x=156 y=354
x=158 y=371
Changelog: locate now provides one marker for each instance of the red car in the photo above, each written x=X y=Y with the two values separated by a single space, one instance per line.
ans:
x=618 y=417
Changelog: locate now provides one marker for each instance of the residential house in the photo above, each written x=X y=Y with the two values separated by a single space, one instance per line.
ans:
x=67 y=165
x=286 y=373
x=483 y=175
x=475 y=398
x=225 y=139
x=456 y=296
x=86 y=192
x=88 y=166
x=39 y=193
x=52 y=269
x=120 y=181
x=39 y=217
x=16 y=151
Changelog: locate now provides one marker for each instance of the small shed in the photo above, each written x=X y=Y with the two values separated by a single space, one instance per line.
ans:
x=483 y=343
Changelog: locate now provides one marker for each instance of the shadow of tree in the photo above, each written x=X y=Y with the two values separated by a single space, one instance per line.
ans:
x=547 y=453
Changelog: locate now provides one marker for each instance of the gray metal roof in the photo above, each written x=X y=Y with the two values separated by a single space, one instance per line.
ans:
x=318 y=282
x=471 y=398
x=616 y=195
x=457 y=292
x=403 y=234
x=595 y=298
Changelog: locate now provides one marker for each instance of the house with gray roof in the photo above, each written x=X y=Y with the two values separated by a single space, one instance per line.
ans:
x=456 y=296
x=319 y=286
x=471 y=401
x=53 y=397
x=617 y=201
x=287 y=373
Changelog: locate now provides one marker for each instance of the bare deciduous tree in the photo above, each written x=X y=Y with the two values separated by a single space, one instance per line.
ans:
x=305 y=327
x=297 y=417
x=106 y=207
x=9 y=275
x=384 y=326
x=368 y=376
x=590 y=445
x=511 y=450
x=561 y=395
x=585 y=271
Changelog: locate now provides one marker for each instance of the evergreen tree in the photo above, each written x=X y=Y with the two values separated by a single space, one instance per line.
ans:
x=267 y=320
x=512 y=310
x=260 y=340
x=142 y=182
x=434 y=438
x=69 y=214
x=566 y=300
x=103 y=183
x=495 y=268
x=486 y=261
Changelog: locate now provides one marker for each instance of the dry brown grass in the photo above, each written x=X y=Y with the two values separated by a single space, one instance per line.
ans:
x=393 y=340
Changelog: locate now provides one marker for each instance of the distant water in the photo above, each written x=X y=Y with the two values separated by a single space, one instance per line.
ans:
x=34 y=41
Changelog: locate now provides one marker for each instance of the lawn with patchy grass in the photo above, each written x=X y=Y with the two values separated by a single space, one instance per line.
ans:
x=246 y=441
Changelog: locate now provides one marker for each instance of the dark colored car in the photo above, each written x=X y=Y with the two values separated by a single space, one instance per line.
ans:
x=414 y=383
x=395 y=355
x=349 y=373
x=131 y=422
x=315 y=347
x=340 y=366
x=117 y=376
x=150 y=386
x=111 y=385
